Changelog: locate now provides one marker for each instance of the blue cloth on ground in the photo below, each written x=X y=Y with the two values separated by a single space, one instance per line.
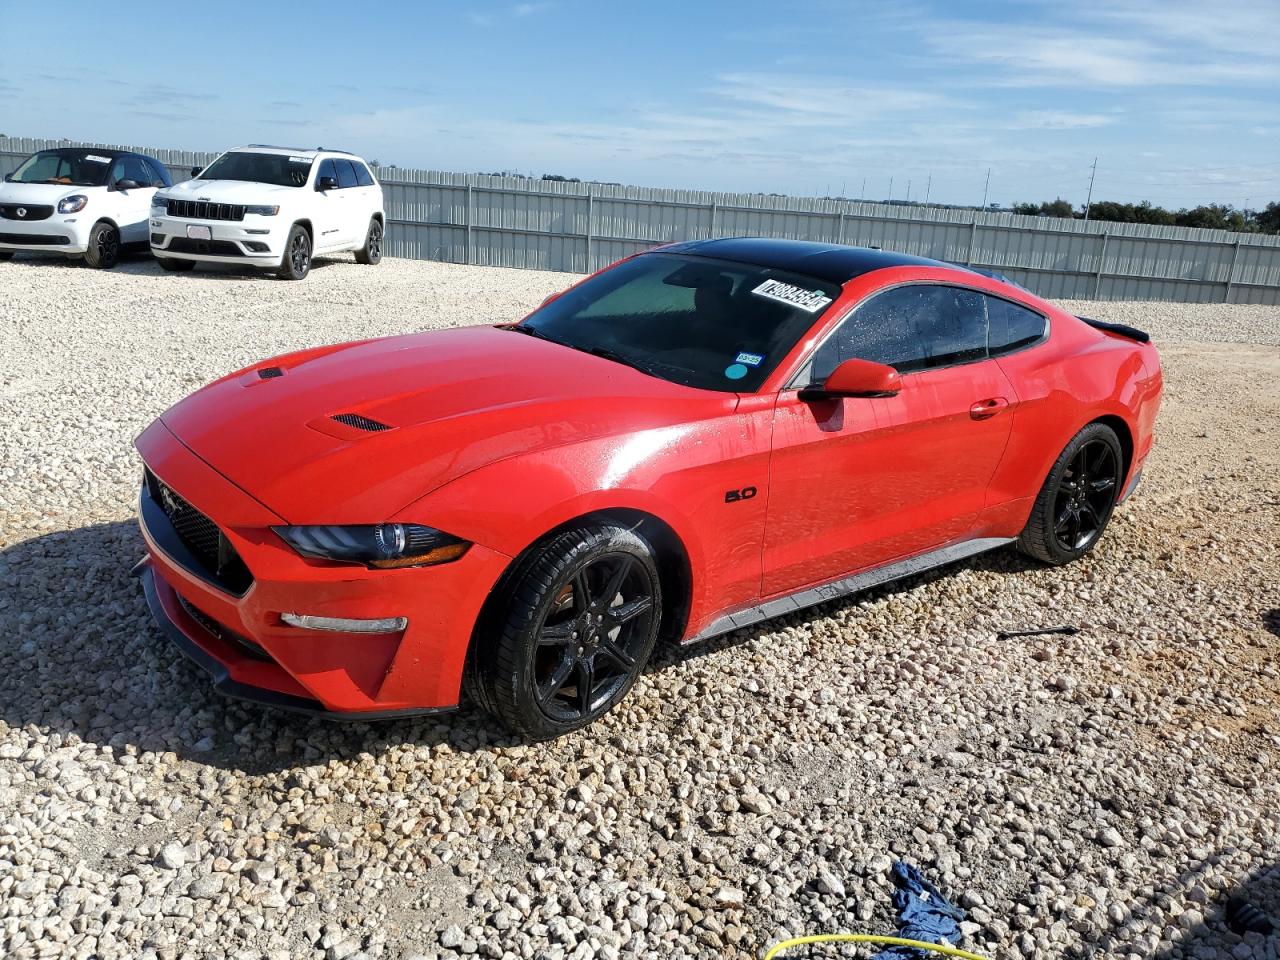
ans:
x=923 y=914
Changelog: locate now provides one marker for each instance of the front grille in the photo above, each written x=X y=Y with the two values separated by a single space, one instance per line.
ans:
x=216 y=629
x=210 y=248
x=29 y=212
x=34 y=239
x=359 y=422
x=204 y=210
x=208 y=545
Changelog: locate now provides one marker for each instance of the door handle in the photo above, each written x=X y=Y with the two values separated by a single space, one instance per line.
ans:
x=985 y=409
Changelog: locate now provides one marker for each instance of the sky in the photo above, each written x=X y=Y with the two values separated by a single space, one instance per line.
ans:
x=1178 y=100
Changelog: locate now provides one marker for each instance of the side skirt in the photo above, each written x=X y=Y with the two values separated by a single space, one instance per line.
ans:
x=811 y=596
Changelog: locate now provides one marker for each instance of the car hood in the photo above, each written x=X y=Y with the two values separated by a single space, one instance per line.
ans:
x=43 y=193
x=230 y=191
x=417 y=411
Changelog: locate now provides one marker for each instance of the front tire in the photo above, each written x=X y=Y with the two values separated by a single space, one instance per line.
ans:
x=175 y=266
x=371 y=252
x=104 y=246
x=296 y=263
x=574 y=628
x=1077 y=499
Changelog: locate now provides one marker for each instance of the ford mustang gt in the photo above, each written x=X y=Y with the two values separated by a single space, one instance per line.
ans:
x=691 y=441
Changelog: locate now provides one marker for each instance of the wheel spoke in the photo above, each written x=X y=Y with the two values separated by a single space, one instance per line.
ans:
x=617 y=579
x=1088 y=513
x=1064 y=518
x=628 y=611
x=555 y=635
x=615 y=652
x=1074 y=529
x=581 y=592
x=559 y=677
x=1103 y=483
x=586 y=683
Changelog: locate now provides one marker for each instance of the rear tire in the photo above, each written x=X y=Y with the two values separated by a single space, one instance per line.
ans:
x=6 y=255
x=104 y=246
x=572 y=628
x=175 y=266
x=1077 y=499
x=296 y=262
x=371 y=252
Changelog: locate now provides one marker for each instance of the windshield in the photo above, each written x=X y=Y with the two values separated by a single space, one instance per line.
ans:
x=74 y=167
x=274 y=168
x=704 y=323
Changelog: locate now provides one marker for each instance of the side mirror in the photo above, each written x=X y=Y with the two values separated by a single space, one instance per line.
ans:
x=327 y=183
x=8 y=178
x=127 y=185
x=196 y=171
x=856 y=378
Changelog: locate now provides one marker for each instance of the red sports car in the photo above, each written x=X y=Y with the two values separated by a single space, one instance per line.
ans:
x=688 y=442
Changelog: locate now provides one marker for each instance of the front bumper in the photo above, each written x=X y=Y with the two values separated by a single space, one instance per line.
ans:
x=252 y=654
x=56 y=234
x=256 y=241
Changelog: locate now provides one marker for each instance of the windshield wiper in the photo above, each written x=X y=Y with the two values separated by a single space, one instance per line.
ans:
x=532 y=332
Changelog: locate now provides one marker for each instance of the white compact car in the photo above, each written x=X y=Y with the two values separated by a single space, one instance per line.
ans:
x=270 y=207
x=80 y=201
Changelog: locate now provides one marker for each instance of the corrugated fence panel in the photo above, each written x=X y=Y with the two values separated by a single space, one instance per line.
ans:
x=578 y=227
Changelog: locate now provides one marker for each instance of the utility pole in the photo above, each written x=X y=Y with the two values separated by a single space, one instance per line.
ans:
x=891 y=189
x=986 y=189
x=863 y=194
x=1089 y=201
x=908 y=191
x=928 y=188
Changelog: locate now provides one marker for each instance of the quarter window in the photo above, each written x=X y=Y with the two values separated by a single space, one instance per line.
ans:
x=160 y=173
x=909 y=328
x=346 y=175
x=132 y=168
x=363 y=176
x=1012 y=327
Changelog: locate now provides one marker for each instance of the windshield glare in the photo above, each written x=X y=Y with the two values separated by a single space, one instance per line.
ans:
x=705 y=323
x=273 y=168
x=79 y=168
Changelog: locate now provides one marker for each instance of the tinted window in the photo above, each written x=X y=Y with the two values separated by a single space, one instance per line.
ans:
x=132 y=168
x=327 y=169
x=1012 y=326
x=160 y=173
x=72 y=165
x=274 y=168
x=705 y=323
x=909 y=328
x=346 y=175
x=363 y=177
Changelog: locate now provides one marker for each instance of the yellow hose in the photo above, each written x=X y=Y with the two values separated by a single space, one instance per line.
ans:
x=871 y=938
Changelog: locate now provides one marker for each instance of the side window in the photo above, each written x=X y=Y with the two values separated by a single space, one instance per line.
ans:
x=346 y=175
x=909 y=328
x=363 y=176
x=160 y=173
x=1012 y=327
x=327 y=169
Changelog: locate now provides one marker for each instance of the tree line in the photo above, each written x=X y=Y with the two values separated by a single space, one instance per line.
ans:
x=1214 y=216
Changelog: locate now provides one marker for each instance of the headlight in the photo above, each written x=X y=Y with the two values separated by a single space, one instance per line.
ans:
x=263 y=211
x=72 y=204
x=383 y=546
x=159 y=202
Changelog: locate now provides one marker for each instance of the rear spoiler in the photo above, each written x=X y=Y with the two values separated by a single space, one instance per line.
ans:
x=1133 y=333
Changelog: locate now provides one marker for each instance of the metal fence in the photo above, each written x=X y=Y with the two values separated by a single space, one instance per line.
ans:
x=578 y=227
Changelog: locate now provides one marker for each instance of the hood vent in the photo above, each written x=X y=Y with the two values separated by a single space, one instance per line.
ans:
x=359 y=422
x=270 y=373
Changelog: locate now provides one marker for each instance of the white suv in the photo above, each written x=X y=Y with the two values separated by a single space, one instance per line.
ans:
x=81 y=201
x=270 y=207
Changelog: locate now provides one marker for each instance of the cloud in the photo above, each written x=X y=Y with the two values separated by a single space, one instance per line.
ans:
x=1061 y=120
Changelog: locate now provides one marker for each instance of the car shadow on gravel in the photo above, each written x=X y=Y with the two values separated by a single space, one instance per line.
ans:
x=141 y=263
x=82 y=656
x=1209 y=924
x=1271 y=621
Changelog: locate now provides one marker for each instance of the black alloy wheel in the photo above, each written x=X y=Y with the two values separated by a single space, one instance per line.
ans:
x=104 y=246
x=568 y=631
x=371 y=252
x=297 y=254
x=592 y=637
x=1078 y=497
x=1086 y=494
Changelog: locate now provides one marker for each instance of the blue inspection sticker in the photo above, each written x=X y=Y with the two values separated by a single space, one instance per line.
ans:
x=735 y=371
x=750 y=359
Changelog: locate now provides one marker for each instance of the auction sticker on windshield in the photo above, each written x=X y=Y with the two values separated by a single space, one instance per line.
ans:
x=97 y=159
x=811 y=301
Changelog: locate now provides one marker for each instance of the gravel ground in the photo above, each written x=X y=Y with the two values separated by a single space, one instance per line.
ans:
x=1100 y=794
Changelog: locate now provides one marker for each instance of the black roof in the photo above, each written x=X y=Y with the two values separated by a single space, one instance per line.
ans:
x=826 y=261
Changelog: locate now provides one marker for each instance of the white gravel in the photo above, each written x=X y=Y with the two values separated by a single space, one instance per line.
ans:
x=1100 y=794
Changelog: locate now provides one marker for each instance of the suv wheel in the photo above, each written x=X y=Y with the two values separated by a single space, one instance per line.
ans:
x=371 y=252
x=6 y=255
x=575 y=626
x=104 y=246
x=296 y=262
